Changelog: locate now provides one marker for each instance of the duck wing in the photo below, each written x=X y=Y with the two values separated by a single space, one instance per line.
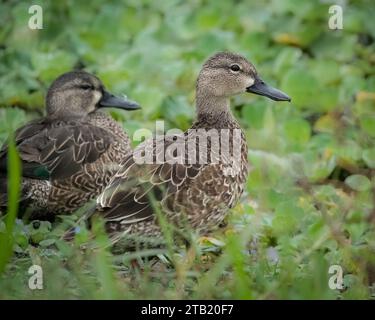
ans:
x=137 y=187
x=57 y=150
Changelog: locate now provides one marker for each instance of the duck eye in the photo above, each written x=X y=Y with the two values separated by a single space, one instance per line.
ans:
x=235 y=67
x=86 y=87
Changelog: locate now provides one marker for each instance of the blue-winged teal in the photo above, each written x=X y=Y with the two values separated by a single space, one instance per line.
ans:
x=198 y=194
x=69 y=156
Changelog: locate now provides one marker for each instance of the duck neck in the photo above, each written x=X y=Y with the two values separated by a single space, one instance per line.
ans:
x=212 y=108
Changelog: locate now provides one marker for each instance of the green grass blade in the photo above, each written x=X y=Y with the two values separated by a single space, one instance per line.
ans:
x=14 y=181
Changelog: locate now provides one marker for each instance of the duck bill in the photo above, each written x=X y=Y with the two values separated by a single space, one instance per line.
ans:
x=109 y=100
x=263 y=89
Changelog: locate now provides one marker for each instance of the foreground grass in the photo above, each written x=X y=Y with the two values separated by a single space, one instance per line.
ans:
x=279 y=246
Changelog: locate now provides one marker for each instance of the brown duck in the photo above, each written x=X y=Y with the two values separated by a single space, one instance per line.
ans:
x=69 y=156
x=195 y=194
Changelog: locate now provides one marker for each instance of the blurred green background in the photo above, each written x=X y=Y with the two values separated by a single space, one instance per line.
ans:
x=309 y=201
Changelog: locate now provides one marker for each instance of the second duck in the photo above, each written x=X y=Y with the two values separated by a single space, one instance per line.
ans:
x=69 y=156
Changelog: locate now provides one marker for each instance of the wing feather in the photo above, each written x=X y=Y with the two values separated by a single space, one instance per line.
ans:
x=60 y=148
x=129 y=195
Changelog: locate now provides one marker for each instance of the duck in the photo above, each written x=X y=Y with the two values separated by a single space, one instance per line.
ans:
x=187 y=183
x=69 y=155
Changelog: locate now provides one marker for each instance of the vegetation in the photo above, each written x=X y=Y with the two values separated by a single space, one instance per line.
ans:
x=309 y=201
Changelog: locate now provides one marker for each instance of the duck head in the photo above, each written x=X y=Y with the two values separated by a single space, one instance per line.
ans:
x=79 y=93
x=226 y=74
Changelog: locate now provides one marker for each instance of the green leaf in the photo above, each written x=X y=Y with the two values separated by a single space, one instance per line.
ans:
x=297 y=131
x=47 y=242
x=358 y=182
x=286 y=218
x=254 y=114
x=300 y=85
x=368 y=156
x=368 y=124
x=317 y=168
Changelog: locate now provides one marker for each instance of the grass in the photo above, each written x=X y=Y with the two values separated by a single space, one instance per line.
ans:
x=310 y=194
x=13 y=191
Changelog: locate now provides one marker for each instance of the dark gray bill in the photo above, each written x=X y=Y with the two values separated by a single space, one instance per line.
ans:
x=261 y=88
x=110 y=100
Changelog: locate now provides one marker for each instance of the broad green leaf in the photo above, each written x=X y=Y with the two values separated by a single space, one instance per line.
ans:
x=368 y=124
x=47 y=242
x=301 y=86
x=368 y=156
x=358 y=182
x=297 y=131
x=253 y=114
